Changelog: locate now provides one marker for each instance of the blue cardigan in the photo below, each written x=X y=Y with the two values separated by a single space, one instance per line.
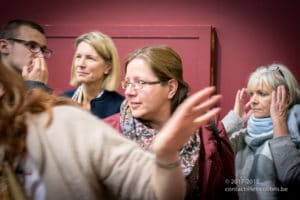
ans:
x=107 y=104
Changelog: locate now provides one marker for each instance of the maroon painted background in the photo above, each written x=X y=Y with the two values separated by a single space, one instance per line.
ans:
x=249 y=33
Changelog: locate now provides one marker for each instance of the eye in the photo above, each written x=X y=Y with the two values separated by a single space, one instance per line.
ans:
x=43 y=49
x=140 y=82
x=263 y=94
x=33 y=45
x=90 y=58
x=77 y=56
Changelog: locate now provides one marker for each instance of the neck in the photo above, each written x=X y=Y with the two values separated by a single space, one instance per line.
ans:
x=159 y=120
x=91 y=91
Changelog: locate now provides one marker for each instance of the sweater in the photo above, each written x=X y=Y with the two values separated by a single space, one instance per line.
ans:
x=79 y=163
x=259 y=174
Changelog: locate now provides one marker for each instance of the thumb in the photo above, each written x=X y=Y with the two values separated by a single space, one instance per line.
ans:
x=25 y=70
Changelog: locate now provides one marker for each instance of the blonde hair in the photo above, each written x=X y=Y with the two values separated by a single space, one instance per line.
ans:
x=274 y=75
x=107 y=50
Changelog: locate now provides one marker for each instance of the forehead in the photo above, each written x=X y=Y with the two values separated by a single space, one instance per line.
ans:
x=139 y=67
x=29 y=34
x=260 y=87
x=86 y=48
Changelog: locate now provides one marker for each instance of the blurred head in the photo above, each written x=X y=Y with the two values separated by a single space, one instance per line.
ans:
x=154 y=81
x=96 y=59
x=264 y=80
x=15 y=104
x=20 y=42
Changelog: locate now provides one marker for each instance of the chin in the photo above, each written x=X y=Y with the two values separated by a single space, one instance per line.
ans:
x=136 y=114
x=261 y=116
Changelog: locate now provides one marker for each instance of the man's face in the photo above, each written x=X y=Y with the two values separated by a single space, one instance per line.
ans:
x=18 y=54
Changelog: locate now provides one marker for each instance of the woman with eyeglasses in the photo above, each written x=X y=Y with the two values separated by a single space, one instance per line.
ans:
x=96 y=74
x=154 y=88
x=61 y=152
x=265 y=150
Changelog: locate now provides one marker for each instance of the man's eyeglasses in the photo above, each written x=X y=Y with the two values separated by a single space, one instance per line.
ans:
x=138 y=85
x=33 y=46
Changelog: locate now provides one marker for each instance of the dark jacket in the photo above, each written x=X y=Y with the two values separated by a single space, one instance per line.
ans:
x=107 y=104
x=37 y=84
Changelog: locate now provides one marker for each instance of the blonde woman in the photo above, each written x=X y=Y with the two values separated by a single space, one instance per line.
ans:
x=272 y=131
x=96 y=74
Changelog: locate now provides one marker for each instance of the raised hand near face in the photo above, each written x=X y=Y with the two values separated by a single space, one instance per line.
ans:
x=193 y=113
x=242 y=104
x=36 y=71
x=278 y=111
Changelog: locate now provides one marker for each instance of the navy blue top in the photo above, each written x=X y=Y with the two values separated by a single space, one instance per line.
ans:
x=107 y=104
x=37 y=84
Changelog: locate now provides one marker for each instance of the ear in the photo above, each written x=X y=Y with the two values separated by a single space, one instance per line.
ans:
x=173 y=86
x=107 y=69
x=4 y=46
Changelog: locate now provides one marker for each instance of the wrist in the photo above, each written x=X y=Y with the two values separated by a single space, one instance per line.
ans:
x=168 y=165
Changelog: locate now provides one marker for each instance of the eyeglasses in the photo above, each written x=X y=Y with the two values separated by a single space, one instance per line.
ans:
x=279 y=71
x=138 y=85
x=33 y=46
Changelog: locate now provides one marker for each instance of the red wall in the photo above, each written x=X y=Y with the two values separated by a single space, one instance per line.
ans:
x=249 y=33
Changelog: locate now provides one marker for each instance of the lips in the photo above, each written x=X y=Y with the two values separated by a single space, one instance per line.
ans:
x=82 y=73
x=134 y=105
x=256 y=110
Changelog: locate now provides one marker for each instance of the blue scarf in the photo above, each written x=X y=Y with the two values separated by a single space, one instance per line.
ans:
x=259 y=131
x=259 y=126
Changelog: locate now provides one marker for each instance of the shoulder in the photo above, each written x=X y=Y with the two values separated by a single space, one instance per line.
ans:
x=69 y=93
x=67 y=121
x=295 y=109
x=114 y=95
x=72 y=114
x=114 y=121
x=37 y=84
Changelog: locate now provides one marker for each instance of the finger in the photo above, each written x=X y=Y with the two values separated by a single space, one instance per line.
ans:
x=1 y=90
x=274 y=98
x=243 y=93
x=203 y=119
x=206 y=105
x=198 y=97
x=238 y=94
x=43 y=64
x=25 y=70
x=283 y=93
x=248 y=105
x=36 y=65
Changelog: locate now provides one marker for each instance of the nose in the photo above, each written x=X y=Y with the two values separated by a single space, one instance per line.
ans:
x=253 y=99
x=80 y=62
x=130 y=90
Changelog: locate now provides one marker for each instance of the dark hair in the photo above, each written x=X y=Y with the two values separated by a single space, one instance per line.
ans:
x=10 y=29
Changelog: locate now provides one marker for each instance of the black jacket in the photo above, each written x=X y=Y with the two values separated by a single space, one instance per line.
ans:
x=108 y=104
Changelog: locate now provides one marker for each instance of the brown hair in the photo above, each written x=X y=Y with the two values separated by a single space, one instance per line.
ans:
x=15 y=105
x=166 y=64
